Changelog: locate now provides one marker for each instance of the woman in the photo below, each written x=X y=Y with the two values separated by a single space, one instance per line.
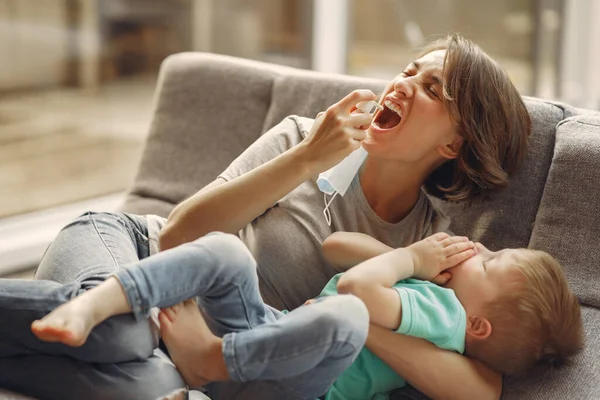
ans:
x=452 y=122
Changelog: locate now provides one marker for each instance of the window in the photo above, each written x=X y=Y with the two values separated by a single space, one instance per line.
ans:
x=77 y=92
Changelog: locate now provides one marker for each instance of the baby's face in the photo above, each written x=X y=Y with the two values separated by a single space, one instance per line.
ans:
x=483 y=277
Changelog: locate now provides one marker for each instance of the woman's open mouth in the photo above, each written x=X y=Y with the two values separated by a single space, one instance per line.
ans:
x=389 y=117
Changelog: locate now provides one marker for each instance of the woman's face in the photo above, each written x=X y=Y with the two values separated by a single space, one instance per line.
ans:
x=415 y=124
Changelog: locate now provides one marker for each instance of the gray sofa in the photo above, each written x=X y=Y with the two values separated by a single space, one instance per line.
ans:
x=209 y=108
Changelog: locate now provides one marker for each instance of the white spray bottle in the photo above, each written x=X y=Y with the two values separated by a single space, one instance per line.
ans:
x=337 y=180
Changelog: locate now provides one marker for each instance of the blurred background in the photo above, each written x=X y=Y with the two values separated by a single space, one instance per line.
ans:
x=77 y=77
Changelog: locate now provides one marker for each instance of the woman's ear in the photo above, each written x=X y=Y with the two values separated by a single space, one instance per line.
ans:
x=451 y=150
x=478 y=328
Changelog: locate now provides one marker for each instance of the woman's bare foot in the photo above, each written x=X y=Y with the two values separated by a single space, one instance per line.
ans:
x=70 y=324
x=195 y=350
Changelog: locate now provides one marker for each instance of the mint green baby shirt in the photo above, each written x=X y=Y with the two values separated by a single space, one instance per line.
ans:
x=429 y=311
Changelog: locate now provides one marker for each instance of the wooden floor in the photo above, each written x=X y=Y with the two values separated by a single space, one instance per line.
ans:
x=60 y=146
x=43 y=172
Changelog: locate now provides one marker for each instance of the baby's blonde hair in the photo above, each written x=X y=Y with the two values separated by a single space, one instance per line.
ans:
x=536 y=319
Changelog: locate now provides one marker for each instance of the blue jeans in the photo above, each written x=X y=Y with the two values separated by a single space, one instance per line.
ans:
x=297 y=355
x=83 y=254
x=302 y=352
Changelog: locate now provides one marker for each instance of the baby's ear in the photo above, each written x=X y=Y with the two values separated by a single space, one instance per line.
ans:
x=478 y=328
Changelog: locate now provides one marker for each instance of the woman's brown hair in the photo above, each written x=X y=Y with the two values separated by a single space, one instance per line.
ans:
x=488 y=112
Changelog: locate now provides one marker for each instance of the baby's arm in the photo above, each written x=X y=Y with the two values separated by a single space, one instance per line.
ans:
x=344 y=250
x=373 y=280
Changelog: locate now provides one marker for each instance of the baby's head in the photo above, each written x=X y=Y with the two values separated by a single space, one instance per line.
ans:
x=520 y=309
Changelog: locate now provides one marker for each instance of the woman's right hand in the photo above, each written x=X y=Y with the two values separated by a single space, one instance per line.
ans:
x=336 y=132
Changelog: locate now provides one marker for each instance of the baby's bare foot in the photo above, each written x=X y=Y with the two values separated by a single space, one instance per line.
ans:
x=194 y=349
x=72 y=322
x=69 y=324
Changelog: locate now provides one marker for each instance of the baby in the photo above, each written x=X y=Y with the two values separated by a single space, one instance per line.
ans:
x=508 y=309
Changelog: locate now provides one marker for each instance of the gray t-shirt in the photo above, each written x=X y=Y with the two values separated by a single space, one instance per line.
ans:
x=286 y=239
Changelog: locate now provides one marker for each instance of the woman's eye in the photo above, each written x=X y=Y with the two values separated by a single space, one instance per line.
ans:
x=433 y=92
x=407 y=73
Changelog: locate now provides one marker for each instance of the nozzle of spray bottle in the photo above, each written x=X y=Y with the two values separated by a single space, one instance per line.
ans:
x=369 y=107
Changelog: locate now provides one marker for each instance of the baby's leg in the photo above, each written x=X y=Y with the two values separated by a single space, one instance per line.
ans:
x=24 y=301
x=333 y=338
x=300 y=354
x=304 y=351
x=71 y=322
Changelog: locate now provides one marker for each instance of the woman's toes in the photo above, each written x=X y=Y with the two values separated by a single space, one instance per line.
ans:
x=169 y=313
x=165 y=322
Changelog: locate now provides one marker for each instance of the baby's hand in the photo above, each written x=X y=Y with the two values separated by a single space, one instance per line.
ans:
x=439 y=252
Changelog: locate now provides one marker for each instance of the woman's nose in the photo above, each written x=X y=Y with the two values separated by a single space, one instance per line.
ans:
x=404 y=87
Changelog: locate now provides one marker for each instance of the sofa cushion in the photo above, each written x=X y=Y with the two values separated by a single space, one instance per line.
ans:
x=576 y=381
x=506 y=220
x=567 y=222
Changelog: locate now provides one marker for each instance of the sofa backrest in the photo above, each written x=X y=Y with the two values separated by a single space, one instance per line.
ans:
x=566 y=225
x=209 y=108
